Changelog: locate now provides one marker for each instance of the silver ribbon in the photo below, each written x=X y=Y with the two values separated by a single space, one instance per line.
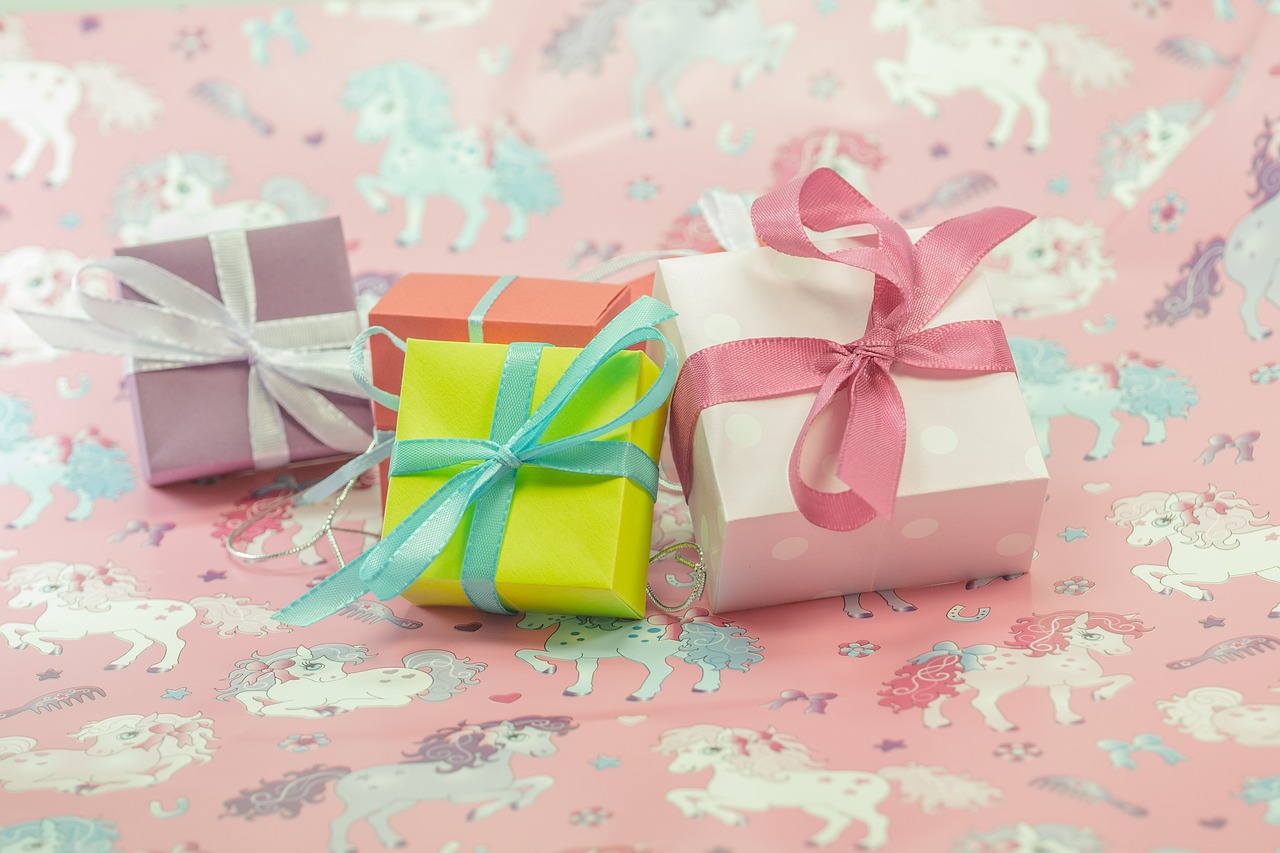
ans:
x=291 y=360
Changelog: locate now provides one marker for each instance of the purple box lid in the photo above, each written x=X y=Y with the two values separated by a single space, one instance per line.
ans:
x=193 y=421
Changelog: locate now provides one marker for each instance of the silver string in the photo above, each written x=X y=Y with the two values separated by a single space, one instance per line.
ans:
x=697 y=572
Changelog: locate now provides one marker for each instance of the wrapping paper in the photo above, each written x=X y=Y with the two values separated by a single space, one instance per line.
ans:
x=1158 y=738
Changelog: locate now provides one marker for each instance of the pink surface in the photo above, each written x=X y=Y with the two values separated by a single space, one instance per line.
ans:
x=1137 y=303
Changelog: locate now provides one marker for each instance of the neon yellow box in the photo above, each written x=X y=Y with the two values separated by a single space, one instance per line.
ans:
x=574 y=543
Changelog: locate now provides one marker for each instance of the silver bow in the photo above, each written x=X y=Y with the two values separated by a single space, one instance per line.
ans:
x=291 y=360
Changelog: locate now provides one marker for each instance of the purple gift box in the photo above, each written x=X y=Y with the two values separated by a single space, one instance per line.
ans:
x=193 y=421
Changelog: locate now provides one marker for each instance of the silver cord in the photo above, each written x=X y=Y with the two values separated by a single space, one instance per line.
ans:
x=697 y=572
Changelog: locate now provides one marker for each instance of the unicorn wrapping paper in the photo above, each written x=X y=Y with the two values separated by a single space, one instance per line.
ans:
x=1120 y=697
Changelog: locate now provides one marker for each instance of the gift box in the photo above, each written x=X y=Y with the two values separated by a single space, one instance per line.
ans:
x=237 y=345
x=522 y=477
x=972 y=483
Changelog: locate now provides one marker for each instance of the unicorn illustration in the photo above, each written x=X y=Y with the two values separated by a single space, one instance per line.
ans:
x=1213 y=536
x=762 y=770
x=950 y=48
x=1263 y=790
x=1046 y=837
x=1246 y=253
x=267 y=512
x=409 y=107
x=81 y=600
x=1054 y=651
x=710 y=643
x=37 y=100
x=61 y=834
x=467 y=764
x=428 y=16
x=37 y=278
x=854 y=609
x=1134 y=154
x=86 y=464
x=172 y=196
x=314 y=682
x=1051 y=266
x=852 y=155
x=668 y=36
x=127 y=751
x=1219 y=713
x=1052 y=388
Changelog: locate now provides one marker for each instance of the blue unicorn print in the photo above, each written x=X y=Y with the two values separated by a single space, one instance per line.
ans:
x=408 y=106
x=64 y=834
x=86 y=464
x=1052 y=387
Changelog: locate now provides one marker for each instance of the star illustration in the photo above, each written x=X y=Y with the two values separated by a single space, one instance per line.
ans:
x=48 y=674
x=212 y=575
x=887 y=745
x=1071 y=534
x=939 y=149
x=1214 y=622
x=1059 y=186
x=180 y=693
x=1271 y=537
x=604 y=762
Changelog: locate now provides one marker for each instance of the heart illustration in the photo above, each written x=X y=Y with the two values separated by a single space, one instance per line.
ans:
x=314 y=138
x=1095 y=488
x=1213 y=822
x=470 y=627
x=633 y=719
x=505 y=698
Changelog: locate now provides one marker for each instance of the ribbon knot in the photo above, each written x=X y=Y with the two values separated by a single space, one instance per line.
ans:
x=504 y=457
x=912 y=283
x=181 y=733
x=968 y=657
x=280 y=669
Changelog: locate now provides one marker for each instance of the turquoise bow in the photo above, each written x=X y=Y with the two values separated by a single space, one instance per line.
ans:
x=1121 y=751
x=281 y=25
x=393 y=564
x=968 y=656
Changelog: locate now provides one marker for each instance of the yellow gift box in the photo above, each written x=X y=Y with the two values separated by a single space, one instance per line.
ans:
x=574 y=543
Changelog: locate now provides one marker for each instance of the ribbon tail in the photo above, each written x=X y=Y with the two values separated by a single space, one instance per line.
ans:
x=313 y=411
x=484 y=544
x=379 y=450
x=266 y=424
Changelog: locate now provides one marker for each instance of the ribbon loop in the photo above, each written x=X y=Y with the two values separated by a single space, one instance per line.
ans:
x=911 y=286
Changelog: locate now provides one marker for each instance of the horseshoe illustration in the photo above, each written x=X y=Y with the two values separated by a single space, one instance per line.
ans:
x=1108 y=323
x=494 y=61
x=726 y=143
x=954 y=614
x=179 y=808
x=67 y=391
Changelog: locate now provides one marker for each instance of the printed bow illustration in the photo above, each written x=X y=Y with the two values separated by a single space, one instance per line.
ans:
x=1242 y=444
x=817 y=702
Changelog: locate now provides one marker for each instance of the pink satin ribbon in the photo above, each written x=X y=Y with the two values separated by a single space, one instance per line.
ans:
x=912 y=283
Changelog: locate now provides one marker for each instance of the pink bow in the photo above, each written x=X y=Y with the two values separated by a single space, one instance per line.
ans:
x=180 y=733
x=278 y=668
x=675 y=624
x=1243 y=444
x=101 y=573
x=817 y=702
x=912 y=283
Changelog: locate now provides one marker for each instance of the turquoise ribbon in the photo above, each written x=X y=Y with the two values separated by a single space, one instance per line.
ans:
x=475 y=322
x=968 y=656
x=392 y=565
x=1122 y=751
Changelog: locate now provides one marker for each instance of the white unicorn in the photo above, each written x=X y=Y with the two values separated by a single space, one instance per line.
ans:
x=755 y=771
x=696 y=637
x=409 y=107
x=172 y=196
x=1219 y=713
x=668 y=36
x=1213 y=536
x=37 y=278
x=1052 y=388
x=86 y=464
x=1134 y=154
x=37 y=100
x=428 y=16
x=1054 y=651
x=1051 y=266
x=1265 y=789
x=313 y=681
x=1024 y=837
x=127 y=751
x=82 y=600
x=950 y=49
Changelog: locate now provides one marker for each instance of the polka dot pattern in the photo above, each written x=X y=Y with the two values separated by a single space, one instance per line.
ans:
x=790 y=268
x=721 y=328
x=1013 y=544
x=939 y=439
x=790 y=548
x=743 y=430
x=920 y=528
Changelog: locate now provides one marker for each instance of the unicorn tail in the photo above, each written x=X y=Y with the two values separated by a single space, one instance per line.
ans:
x=918 y=684
x=1087 y=62
x=230 y=616
x=292 y=196
x=586 y=38
x=720 y=647
x=117 y=100
x=16 y=745
x=1154 y=389
x=98 y=469
x=449 y=675
x=521 y=175
x=1193 y=713
x=286 y=796
x=1190 y=294
x=934 y=787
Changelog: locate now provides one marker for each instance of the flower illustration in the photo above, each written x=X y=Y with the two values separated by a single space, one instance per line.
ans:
x=594 y=816
x=1166 y=213
x=303 y=743
x=642 y=189
x=1269 y=372
x=859 y=649
x=1017 y=751
x=824 y=86
x=1073 y=586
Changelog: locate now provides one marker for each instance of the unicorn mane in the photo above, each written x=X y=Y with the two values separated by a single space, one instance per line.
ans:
x=797 y=156
x=1050 y=633
x=472 y=744
x=1209 y=519
x=429 y=103
x=255 y=673
x=15 y=421
x=136 y=198
x=1039 y=362
x=89 y=587
x=763 y=754
x=1265 y=165
x=179 y=735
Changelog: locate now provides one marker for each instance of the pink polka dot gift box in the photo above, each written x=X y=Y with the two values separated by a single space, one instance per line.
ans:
x=814 y=467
